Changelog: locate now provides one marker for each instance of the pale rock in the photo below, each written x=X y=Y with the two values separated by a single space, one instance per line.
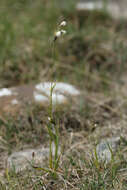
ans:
x=105 y=149
x=5 y=92
x=22 y=160
x=60 y=91
x=15 y=98
x=59 y=87
x=39 y=97
x=117 y=9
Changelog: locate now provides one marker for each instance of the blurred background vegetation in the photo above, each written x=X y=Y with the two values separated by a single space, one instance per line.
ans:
x=94 y=42
x=26 y=30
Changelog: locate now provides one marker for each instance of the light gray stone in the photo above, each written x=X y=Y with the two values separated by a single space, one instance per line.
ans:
x=105 y=149
x=22 y=160
x=15 y=98
x=117 y=9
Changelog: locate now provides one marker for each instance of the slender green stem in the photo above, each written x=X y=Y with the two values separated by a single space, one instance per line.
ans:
x=56 y=143
x=50 y=154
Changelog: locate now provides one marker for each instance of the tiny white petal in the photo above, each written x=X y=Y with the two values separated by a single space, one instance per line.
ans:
x=63 y=23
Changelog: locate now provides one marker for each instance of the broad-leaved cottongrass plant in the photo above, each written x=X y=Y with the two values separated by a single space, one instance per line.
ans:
x=52 y=127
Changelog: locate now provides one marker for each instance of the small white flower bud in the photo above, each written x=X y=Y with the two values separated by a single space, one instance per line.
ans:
x=63 y=23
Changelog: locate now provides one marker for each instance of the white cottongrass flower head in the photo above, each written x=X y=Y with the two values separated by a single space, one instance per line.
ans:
x=63 y=23
x=58 y=33
x=60 y=30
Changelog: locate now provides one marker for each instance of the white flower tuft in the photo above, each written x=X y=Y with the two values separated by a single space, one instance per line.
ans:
x=63 y=31
x=63 y=23
x=58 y=34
